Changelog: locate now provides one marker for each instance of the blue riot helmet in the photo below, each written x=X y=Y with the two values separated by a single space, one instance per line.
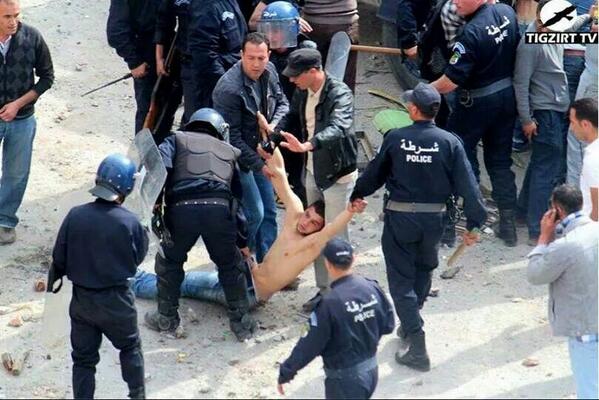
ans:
x=280 y=24
x=210 y=121
x=115 y=177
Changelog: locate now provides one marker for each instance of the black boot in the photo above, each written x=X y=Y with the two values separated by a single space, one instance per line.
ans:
x=416 y=357
x=506 y=228
x=241 y=322
x=168 y=282
x=137 y=393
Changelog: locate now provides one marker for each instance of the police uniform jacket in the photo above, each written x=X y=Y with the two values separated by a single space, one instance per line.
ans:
x=485 y=51
x=423 y=163
x=215 y=36
x=345 y=327
x=411 y=16
x=171 y=14
x=235 y=98
x=130 y=30
x=334 y=140
x=99 y=245
x=193 y=188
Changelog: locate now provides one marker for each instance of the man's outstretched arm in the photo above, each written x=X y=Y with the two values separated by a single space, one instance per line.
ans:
x=338 y=224
x=279 y=180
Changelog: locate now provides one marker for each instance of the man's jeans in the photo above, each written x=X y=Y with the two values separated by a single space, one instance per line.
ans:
x=17 y=145
x=335 y=199
x=583 y=358
x=200 y=285
x=544 y=169
x=587 y=87
x=573 y=66
x=260 y=209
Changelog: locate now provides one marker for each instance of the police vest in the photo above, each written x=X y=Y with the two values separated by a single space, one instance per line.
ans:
x=200 y=155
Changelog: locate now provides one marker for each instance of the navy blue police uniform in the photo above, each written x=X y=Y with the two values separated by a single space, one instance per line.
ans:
x=171 y=14
x=422 y=166
x=130 y=31
x=99 y=247
x=345 y=329
x=201 y=194
x=216 y=32
x=482 y=65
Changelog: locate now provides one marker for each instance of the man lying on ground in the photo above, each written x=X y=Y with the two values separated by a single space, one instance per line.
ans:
x=301 y=240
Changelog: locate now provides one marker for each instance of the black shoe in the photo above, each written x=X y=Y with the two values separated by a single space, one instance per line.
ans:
x=243 y=327
x=310 y=305
x=416 y=357
x=506 y=228
x=138 y=393
x=161 y=323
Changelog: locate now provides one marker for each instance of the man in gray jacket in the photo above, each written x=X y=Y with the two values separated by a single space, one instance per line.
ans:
x=250 y=98
x=566 y=259
x=542 y=97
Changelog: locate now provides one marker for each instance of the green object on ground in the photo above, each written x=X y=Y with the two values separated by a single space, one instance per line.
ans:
x=386 y=120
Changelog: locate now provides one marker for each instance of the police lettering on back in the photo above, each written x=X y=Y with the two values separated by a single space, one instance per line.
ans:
x=413 y=152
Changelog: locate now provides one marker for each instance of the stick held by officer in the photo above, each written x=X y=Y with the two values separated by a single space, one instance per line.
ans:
x=422 y=166
x=98 y=247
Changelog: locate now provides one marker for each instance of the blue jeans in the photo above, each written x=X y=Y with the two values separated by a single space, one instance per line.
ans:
x=17 y=145
x=260 y=209
x=573 y=66
x=544 y=169
x=583 y=358
x=200 y=285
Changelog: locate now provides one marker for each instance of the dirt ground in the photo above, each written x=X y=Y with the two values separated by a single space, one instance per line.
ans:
x=482 y=326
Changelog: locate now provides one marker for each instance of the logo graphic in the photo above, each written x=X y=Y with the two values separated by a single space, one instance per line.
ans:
x=559 y=18
x=558 y=15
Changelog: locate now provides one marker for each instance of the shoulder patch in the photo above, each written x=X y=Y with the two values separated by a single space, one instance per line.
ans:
x=313 y=319
x=459 y=47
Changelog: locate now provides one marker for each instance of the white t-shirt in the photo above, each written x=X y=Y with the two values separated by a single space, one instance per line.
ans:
x=589 y=176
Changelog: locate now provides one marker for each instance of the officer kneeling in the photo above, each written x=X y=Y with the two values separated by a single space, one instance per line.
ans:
x=345 y=329
x=422 y=166
x=99 y=247
x=201 y=196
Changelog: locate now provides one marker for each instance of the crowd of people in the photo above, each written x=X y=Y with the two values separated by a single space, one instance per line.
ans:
x=263 y=120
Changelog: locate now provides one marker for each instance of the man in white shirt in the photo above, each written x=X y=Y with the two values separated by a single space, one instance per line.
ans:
x=583 y=122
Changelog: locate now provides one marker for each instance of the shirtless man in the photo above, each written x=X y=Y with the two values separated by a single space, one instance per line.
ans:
x=300 y=242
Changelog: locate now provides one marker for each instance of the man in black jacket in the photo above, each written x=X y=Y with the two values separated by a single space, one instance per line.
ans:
x=323 y=109
x=130 y=31
x=250 y=98
x=23 y=52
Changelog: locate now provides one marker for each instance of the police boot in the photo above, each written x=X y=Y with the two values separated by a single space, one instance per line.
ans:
x=166 y=318
x=506 y=228
x=241 y=322
x=137 y=393
x=416 y=357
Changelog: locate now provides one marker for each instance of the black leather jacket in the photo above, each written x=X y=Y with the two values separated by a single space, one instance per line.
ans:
x=334 y=141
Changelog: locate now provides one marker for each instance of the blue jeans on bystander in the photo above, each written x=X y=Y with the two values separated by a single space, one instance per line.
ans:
x=260 y=209
x=544 y=169
x=17 y=146
x=583 y=358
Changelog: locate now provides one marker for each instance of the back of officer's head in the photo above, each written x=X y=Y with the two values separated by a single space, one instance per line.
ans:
x=339 y=255
x=567 y=199
x=423 y=102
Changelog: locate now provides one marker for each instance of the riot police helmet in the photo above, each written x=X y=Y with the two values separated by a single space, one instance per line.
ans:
x=280 y=24
x=210 y=121
x=115 y=178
